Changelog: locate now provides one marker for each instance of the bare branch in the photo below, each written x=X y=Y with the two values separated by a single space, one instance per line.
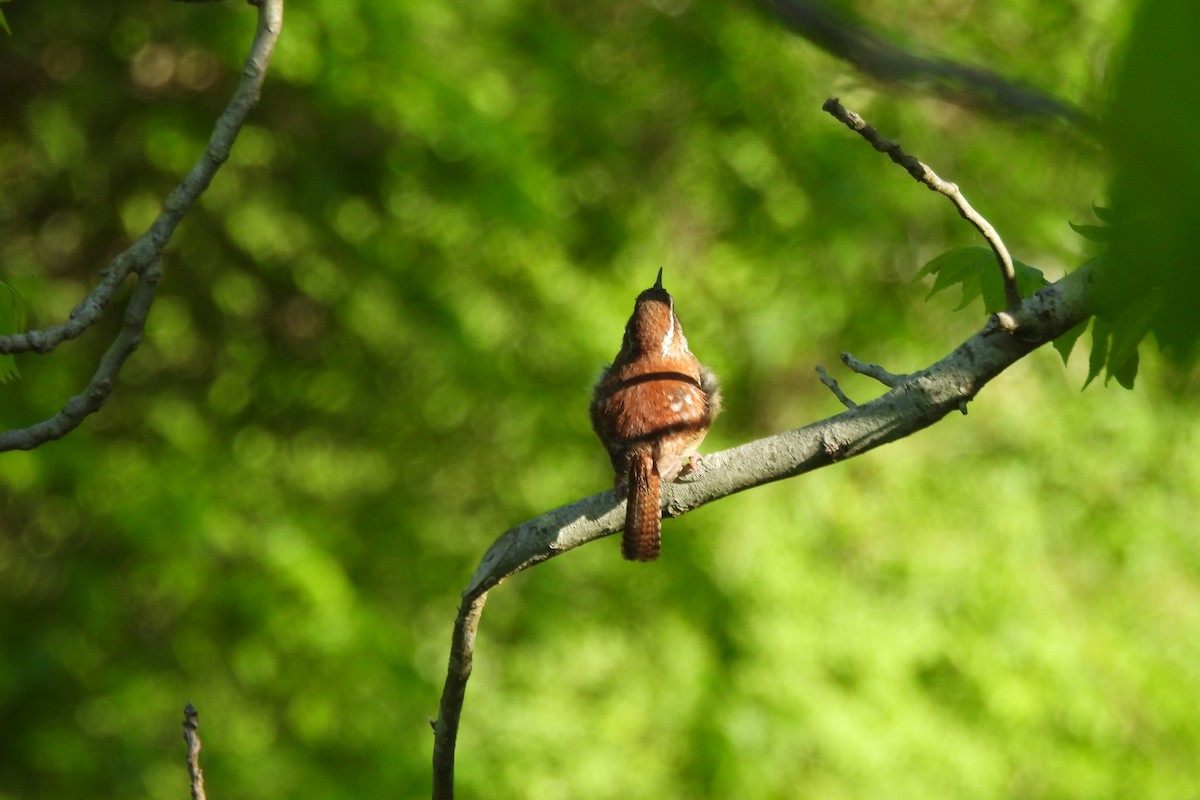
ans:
x=191 y=721
x=837 y=390
x=144 y=255
x=914 y=403
x=83 y=316
x=100 y=386
x=245 y=97
x=872 y=371
x=923 y=174
x=839 y=35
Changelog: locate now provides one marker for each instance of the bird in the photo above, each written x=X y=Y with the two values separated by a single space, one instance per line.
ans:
x=651 y=408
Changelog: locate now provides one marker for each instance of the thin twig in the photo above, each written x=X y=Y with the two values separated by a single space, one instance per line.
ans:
x=923 y=174
x=143 y=256
x=872 y=371
x=915 y=402
x=191 y=721
x=83 y=316
x=833 y=387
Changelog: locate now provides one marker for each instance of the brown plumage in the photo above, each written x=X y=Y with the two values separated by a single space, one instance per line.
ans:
x=651 y=409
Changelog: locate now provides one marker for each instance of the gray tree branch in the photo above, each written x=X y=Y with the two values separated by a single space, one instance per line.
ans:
x=912 y=403
x=144 y=256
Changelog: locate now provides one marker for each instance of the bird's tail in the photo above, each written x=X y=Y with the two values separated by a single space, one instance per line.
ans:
x=643 y=517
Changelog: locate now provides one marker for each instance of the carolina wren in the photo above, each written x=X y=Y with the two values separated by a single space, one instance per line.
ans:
x=651 y=409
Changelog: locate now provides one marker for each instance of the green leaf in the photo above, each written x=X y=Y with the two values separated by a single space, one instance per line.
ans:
x=1094 y=233
x=1029 y=279
x=971 y=288
x=1156 y=183
x=1128 y=331
x=1065 y=343
x=1099 y=354
x=1125 y=371
x=1104 y=214
x=949 y=266
x=993 y=285
x=1115 y=339
x=12 y=320
x=976 y=270
x=958 y=266
x=8 y=30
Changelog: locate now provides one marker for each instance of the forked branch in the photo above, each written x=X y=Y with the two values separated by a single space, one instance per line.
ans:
x=913 y=402
x=143 y=257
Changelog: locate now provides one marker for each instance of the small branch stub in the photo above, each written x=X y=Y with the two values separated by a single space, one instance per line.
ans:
x=837 y=390
x=872 y=371
x=191 y=721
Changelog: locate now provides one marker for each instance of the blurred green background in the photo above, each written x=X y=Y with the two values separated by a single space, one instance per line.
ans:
x=373 y=352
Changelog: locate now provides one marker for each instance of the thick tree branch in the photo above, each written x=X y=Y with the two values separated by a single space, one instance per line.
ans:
x=144 y=255
x=445 y=728
x=915 y=402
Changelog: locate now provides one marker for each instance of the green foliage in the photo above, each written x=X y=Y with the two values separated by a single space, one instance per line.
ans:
x=1066 y=343
x=1116 y=331
x=1150 y=281
x=976 y=271
x=1115 y=341
x=1095 y=233
x=372 y=354
x=3 y=21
